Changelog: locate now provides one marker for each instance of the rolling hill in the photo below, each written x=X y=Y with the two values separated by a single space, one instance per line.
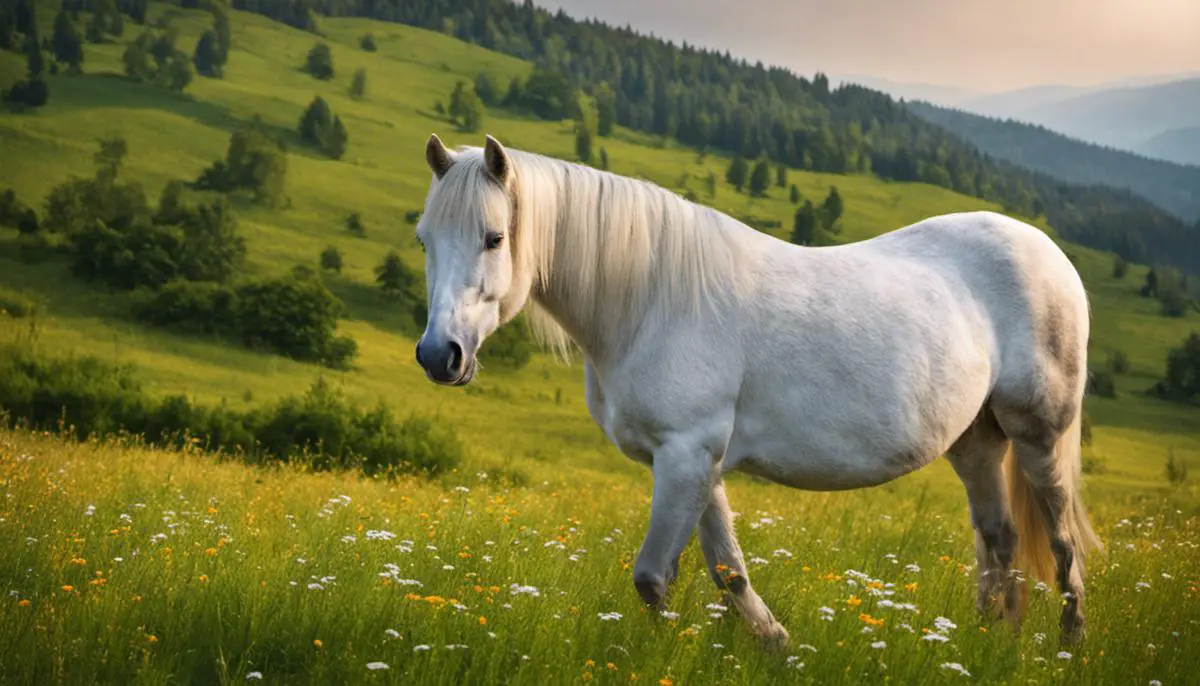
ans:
x=1126 y=117
x=1174 y=187
x=153 y=566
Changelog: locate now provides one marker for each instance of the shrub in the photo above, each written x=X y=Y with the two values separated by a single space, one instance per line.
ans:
x=1176 y=470
x=323 y=129
x=293 y=315
x=91 y=397
x=367 y=43
x=255 y=161
x=1118 y=362
x=1101 y=383
x=1182 y=381
x=354 y=225
x=510 y=345
x=331 y=260
x=319 y=62
x=1120 y=267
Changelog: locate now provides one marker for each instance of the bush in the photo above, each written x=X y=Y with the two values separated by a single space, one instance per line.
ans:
x=255 y=161
x=1118 y=362
x=90 y=397
x=1120 y=267
x=319 y=62
x=1176 y=470
x=1182 y=381
x=29 y=94
x=1101 y=383
x=354 y=225
x=510 y=345
x=367 y=43
x=323 y=129
x=292 y=315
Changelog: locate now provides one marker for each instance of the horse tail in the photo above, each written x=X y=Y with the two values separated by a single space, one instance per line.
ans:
x=1033 y=554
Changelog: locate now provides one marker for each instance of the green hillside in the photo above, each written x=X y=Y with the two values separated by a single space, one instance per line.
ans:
x=383 y=176
x=174 y=566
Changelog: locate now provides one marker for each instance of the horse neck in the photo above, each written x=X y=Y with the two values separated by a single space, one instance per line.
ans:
x=601 y=321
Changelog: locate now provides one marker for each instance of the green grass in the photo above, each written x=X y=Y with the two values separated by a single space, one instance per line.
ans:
x=512 y=419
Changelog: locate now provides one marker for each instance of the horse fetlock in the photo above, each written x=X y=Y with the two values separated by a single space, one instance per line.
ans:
x=652 y=588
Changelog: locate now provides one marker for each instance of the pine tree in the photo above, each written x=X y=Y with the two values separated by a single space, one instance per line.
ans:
x=337 y=139
x=795 y=195
x=455 y=110
x=358 y=87
x=831 y=209
x=760 y=178
x=487 y=90
x=331 y=260
x=781 y=176
x=394 y=278
x=179 y=72
x=736 y=174
x=68 y=42
x=319 y=62
x=606 y=110
x=472 y=111
x=804 y=226
x=208 y=55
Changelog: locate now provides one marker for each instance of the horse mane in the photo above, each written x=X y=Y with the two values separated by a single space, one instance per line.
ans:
x=603 y=246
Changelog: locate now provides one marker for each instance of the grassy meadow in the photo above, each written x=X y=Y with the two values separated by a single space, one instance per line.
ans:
x=132 y=565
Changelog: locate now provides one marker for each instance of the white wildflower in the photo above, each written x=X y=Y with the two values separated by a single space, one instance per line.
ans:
x=376 y=666
x=955 y=667
x=1063 y=655
x=609 y=616
x=879 y=645
x=421 y=648
x=253 y=676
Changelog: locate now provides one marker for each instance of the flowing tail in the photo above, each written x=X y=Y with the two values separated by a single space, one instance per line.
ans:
x=1033 y=554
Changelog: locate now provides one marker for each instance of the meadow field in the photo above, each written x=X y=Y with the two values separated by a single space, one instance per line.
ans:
x=129 y=564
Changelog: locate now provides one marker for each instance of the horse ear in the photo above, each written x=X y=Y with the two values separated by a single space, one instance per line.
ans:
x=437 y=156
x=495 y=159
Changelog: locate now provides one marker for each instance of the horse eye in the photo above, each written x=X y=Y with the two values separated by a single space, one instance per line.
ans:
x=493 y=239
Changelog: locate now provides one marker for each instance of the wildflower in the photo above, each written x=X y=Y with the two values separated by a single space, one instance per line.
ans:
x=944 y=558
x=589 y=662
x=955 y=667
x=392 y=633
x=1063 y=655
x=665 y=682
x=826 y=613
x=68 y=588
x=24 y=602
x=912 y=567
x=79 y=561
x=611 y=667
x=609 y=616
x=879 y=645
x=376 y=666
x=482 y=620
x=910 y=587
x=151 y=639
x=317 y=642
x=518 y=589
x=944 y=624
x=420 y=648
x=203 y=578
x=939 y=638
x=671 y=616
x=853 y=601
x=211 y=552
x=253 y=676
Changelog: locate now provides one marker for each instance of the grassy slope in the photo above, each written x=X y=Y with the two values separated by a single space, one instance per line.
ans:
x=508 y=416
x=383 y=176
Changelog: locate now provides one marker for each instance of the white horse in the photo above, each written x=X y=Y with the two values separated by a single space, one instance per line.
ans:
x=711 y=347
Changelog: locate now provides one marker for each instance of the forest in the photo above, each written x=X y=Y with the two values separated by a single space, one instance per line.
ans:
x=711 y=100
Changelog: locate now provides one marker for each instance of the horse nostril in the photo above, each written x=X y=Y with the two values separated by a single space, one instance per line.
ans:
x=454 y=359
x=419 y=360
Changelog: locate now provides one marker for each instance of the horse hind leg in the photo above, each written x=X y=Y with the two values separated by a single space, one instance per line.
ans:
x=978 y=458
x=723 y=556
x=1048 y=470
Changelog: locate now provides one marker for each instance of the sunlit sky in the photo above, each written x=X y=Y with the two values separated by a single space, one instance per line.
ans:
x=986 y=45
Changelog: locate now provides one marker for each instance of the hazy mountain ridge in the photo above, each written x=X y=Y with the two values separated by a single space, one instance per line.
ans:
x=1174 y=187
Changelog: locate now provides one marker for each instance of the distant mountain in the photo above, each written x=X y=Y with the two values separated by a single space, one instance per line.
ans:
x=1177 y=145
x=929 y=92
x=1174 y=187
x=1126 y=117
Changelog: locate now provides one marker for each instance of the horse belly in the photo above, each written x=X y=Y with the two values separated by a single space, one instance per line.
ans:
x=818 y=471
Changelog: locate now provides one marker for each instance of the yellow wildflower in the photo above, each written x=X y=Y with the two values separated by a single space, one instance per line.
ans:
x=853 y=601
x=24 y=603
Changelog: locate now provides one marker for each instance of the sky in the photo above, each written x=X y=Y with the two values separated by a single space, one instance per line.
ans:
x=980 y=45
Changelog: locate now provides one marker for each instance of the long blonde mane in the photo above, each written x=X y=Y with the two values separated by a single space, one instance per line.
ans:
x=601 y=247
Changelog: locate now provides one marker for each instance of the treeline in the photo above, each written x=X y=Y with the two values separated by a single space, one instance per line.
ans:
x=709 y=99
x=89 y=397
x=1175 y=187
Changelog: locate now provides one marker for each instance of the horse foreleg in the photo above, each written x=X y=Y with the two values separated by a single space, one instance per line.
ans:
x=683 y=480
x=728 y=569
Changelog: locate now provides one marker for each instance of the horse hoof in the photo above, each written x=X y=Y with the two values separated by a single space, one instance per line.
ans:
x=774 y=637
